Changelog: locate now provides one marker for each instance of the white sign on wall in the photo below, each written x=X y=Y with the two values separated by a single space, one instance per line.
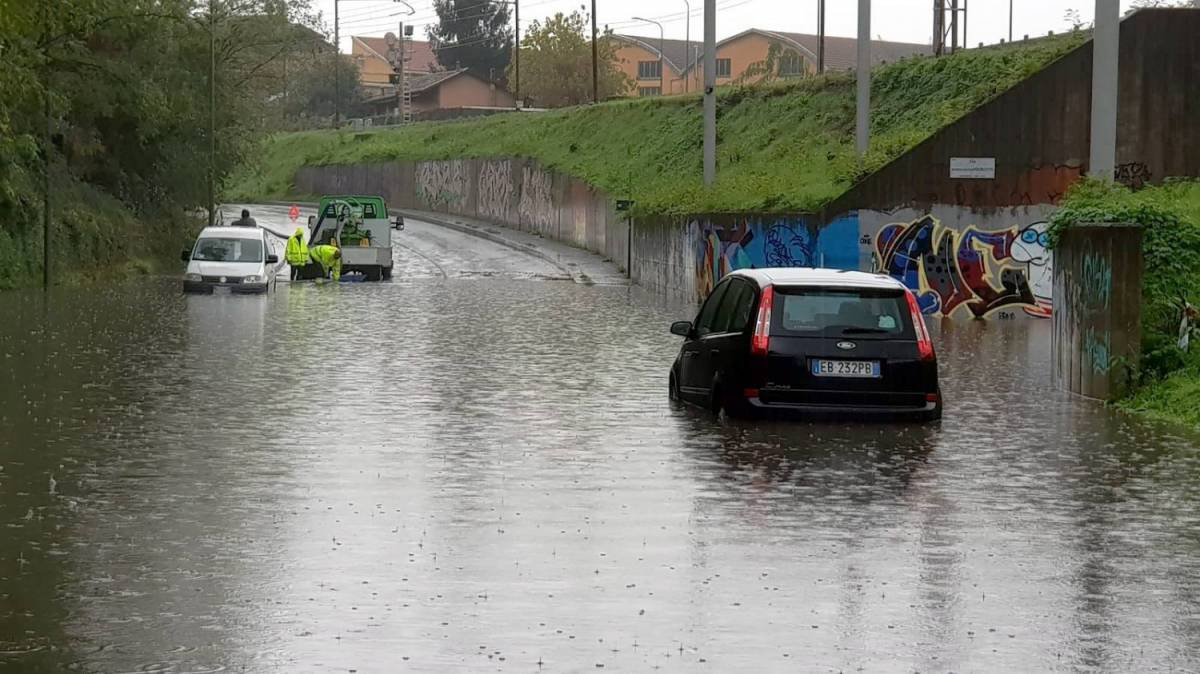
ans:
x=973 y=168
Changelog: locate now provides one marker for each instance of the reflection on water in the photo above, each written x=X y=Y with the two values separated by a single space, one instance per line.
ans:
x=467 y=474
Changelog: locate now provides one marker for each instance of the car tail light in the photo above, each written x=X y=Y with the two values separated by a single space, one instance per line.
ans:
x=924 y=344
x=760 y=343
x=931 y=397
x=750 y=393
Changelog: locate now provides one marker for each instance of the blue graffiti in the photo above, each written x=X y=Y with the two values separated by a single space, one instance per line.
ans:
x=749 y=243
x=787 y=247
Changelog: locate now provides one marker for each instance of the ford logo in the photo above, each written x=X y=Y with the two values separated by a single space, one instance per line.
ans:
x=851 y=345
x=846 y=346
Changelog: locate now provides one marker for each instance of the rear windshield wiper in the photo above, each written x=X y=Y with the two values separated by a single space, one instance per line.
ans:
x=865 y=331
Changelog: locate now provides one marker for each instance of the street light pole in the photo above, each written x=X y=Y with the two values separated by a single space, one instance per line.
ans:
x=820 y=37
x=595 y=59
x=662 y=73
x=1010 y=18
x=337 y=62
x=212 y=112
x=1107 y=37
x=863 y=118
x=710 y=92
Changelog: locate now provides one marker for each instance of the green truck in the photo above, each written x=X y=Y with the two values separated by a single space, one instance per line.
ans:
x=360 y=226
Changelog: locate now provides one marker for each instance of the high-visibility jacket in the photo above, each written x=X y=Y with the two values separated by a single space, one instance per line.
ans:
x=297 y=250
x=324 y=256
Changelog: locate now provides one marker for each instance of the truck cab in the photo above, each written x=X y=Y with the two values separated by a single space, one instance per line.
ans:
x=360 y=226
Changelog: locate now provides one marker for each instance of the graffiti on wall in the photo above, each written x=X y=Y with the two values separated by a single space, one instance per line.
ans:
x=752 y=243
x=441 y=183
x=983 y=271
x=536 y=207
x=1133 y=175
x=495 y=189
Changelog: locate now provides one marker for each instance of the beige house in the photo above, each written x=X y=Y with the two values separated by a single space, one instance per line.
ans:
x=375 y=69
x=448 y=90
x=682 y=64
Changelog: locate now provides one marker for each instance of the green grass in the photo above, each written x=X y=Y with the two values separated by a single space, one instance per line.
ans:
x=1169 y=379
x=1175 y=398
x=781 y=147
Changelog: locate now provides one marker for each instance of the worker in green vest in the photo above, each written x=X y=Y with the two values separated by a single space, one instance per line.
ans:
x=330 y=259
x=297 y=253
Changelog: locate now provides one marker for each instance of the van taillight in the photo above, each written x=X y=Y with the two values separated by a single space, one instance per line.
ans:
x=760 y=343
x=924 y=344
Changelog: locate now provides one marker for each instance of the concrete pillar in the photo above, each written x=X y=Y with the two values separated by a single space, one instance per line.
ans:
x=1097 y=309
x=863 y=120
x=1105 y=46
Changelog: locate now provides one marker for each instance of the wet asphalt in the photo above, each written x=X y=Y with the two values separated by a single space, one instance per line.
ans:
x=475 y=467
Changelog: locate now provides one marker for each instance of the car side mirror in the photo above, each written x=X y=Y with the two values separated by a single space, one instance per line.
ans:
x=398 y=223
x=681 y=328
x=272 y=259
x=185 y=255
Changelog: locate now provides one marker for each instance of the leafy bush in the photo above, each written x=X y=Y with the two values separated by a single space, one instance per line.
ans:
x=1171 y=243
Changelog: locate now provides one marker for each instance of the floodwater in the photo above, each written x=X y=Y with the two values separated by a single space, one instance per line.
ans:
x=484 y=474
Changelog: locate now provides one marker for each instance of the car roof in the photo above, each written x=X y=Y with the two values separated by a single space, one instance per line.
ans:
x=233 y=232
x=805 y=276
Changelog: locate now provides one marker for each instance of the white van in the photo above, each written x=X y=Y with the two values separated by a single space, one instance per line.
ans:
x=241 y=259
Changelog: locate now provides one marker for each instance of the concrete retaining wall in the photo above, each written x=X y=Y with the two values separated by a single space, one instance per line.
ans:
x=513 y=192
x=962 y=262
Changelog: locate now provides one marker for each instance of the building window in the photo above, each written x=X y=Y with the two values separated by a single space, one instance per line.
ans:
x=791 y=65
x=649 y=91
x=649 y=70
x=724 y=68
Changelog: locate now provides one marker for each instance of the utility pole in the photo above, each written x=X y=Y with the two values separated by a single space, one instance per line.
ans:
x=1106 y=44
x=710 y=92
x=517 y=58
x=46 y=153
x=1010 y=17
x=953 y=26
x=337 y=71
x=212 y=112
x=939 y=27
x=687 y=41
x=863 y=98
x=820 y=37
x=595 y=59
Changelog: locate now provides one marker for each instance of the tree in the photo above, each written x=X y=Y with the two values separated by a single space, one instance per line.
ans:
x=473 y=34
x=556 y=63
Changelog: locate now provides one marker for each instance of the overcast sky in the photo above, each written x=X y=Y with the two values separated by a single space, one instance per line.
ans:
x=897 y=20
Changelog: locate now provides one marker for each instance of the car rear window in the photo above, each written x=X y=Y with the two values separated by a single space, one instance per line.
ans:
x=841 y=312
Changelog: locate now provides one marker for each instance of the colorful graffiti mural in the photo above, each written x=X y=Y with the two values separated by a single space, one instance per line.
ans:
x=757 y=242
x=983 y=271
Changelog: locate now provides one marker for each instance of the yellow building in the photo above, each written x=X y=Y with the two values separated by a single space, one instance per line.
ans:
x=680 y=66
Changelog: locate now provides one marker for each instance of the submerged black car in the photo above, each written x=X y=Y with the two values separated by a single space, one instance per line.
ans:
x=808 y=340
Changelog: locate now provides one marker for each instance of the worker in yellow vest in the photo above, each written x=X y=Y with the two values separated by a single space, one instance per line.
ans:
x=330 y=259
x=297 y=253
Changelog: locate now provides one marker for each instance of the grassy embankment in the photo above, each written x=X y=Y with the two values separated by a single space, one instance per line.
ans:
x=1168 y=380
x=93 y=236
x=782 y=147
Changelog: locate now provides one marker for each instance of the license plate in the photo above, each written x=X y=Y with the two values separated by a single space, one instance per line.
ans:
x=845 y=368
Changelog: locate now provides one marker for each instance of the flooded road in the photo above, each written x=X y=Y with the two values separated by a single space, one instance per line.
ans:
x=474 y=468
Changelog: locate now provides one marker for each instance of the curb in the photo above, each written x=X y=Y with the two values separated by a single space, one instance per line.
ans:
x=443 y=221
